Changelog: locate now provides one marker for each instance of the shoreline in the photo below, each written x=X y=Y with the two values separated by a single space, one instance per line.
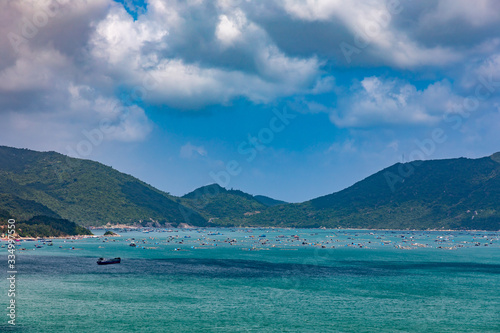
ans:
x=132 y=228
x=50 y=237
x=120 y=226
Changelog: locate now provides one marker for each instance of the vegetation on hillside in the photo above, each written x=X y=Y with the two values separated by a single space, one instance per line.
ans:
x=45 y=226
x=451 y=194
x=222 y=206
x=268 y=201
x=440 y=194
x=89 y=193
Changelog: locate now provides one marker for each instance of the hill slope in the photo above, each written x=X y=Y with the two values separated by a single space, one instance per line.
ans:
x=221 y=205
x=41 y=226
x=451 y=194
x=89 y=193
x=268 y=201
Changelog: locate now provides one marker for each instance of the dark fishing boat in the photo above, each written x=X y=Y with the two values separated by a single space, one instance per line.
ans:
x=102 y=261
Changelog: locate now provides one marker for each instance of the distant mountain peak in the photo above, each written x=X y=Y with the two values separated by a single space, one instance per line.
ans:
x=269 y=201
x=83 y=191
x=496 y=157
x=431 y=194
x=210 y=190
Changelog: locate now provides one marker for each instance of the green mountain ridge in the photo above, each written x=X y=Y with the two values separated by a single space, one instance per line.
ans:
x=268 y=201
x=217 y=203
x=41 y=226
x=436 y=194
x=222 y=206
x=86 y=192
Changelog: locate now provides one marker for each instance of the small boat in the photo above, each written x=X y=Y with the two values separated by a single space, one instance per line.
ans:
x=102 y=261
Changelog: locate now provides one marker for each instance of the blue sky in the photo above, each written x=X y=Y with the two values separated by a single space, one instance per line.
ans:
x=294 y=98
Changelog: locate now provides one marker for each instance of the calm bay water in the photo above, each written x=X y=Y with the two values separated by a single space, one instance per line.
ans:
x=235 y=281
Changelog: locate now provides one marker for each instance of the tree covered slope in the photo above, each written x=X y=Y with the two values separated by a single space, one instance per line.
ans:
x=89 y=193
x=222 y=206
x=451 y=194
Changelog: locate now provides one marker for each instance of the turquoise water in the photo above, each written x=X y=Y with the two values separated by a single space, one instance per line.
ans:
x=230 y=280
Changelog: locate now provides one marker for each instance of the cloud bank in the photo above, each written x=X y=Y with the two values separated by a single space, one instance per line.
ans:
x=67 y=65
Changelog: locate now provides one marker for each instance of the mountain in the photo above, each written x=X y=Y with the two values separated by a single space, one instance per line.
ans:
x=41 y=226
x=268 y=201
x=438 y=194
x=44 y=226
x=222 y=206
x=86 y=192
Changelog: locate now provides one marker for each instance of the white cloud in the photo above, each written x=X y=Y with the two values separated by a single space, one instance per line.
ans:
x=192 y=151
x=132 y=50
x=119 y=40
x=229 y=28
x=476 y=13
x=374 y=33
x=489 y=71
x=392 y=102
x=79 y=110
x=122 y=123
x=49 y=96
x=313 y=10
x=479 y=12
x=348 y=146
x=190 y=54
x=34 y=70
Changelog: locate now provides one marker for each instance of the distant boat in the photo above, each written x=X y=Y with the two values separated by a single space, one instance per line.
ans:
x=102 y=261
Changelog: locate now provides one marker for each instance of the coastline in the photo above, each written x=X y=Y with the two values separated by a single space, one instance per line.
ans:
x=51 y=237
x=134 y=228
x=122 y=226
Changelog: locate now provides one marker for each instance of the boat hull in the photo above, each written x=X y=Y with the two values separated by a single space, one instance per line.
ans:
x=108 y=261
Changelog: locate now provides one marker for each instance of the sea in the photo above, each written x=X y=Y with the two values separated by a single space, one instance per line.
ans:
x=256 y=280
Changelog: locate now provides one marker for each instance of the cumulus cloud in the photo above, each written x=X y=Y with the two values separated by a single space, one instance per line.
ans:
x=109 y=115
x=477 y=13
x=487 y=73
x=375 y=101
x=44 y=85
x=153 y=45
x=67 y=62
x=34 y=72
x=230 y=28
x=348 y=146
x=191 y=151
x=398 y=33
x=63 y=62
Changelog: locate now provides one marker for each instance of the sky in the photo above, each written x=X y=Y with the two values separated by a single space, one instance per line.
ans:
x=292 y=99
